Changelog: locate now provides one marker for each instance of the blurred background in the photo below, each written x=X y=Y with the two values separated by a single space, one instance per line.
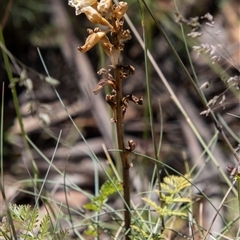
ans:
x=52 y=27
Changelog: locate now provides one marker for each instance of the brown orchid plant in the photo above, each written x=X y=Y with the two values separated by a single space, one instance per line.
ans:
x=110 y=33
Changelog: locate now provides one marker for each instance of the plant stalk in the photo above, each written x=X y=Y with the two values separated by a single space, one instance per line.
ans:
x=123 y=154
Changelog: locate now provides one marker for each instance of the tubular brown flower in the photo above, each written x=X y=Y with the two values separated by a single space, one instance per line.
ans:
x=91 y=40
x=95 y=17
x=120 y=9
x=110 y=50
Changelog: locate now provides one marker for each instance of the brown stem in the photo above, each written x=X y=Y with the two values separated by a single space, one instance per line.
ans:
x=123 y=155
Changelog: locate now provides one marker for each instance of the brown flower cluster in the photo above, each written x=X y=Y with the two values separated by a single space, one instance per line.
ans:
x=109 y=80
x=110 y=16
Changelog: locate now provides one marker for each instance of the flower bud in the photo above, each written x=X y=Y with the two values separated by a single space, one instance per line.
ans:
x=104 y=7
x=120 y=9
x=125 y=35
x=91 y=40
x=95 y=17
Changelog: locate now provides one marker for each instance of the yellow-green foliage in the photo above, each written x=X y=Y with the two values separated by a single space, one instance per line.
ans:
x=25 y=222
x=140 y=234
x=107 y=189
x=171 y=189
x=171 y=194
x=97 y=203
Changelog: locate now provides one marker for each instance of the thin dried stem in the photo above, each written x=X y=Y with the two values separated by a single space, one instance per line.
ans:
x=123 y=155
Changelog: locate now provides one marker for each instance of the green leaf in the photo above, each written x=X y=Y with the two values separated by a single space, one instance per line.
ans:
x=139 y=233
x=177 y=214
x=170 y=188
x=91 y=231
x=174 y=184
x=110 y=187
x=150 y=203
x=181 y=200
x=25 y=218
x=107 y=189
x=62 y=234
x=44 y=227
x=93 y=206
